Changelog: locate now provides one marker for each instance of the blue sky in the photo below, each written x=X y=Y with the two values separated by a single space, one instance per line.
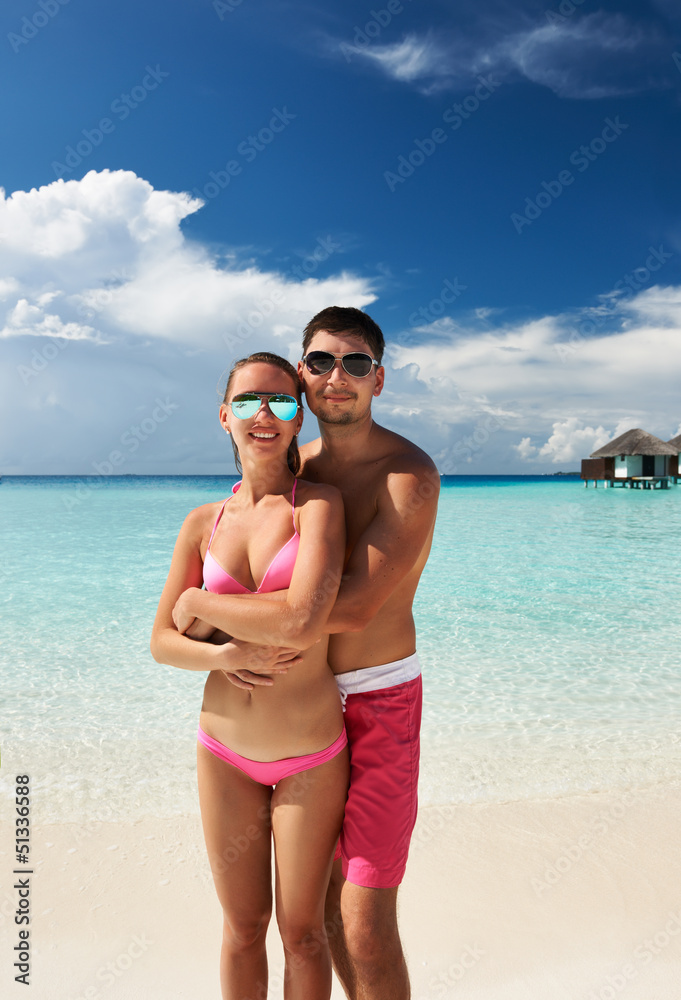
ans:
x=495 y=183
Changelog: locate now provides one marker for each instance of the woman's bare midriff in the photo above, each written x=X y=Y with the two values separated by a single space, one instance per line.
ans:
x=299 y=714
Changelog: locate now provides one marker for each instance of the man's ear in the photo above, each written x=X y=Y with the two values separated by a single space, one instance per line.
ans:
x=380 y=379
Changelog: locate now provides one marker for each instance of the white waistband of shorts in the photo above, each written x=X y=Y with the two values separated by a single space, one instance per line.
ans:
x=385 y=675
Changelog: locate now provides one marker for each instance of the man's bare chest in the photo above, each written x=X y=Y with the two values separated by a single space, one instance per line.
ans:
x=360 y=491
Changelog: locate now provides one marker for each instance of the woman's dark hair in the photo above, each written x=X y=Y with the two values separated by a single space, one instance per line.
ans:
x=265 y=357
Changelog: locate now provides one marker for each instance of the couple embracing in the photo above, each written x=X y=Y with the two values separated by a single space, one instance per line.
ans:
x=296 y=595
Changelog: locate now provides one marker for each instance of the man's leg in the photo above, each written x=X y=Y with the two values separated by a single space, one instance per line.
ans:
x=333 y=924
x=365 y=942
x=361 y=912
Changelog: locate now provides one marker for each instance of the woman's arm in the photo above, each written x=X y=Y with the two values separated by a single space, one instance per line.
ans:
x=186 y=570
x=297 y=620
x=245 y=664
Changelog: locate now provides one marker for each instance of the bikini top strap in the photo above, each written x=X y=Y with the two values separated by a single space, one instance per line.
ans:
x=293 y=504
x=217 y=519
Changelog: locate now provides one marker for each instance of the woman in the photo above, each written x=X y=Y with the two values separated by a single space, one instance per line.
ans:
x=271 y=755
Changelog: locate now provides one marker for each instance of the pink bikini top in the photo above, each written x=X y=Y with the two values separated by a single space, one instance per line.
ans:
x=279 y=571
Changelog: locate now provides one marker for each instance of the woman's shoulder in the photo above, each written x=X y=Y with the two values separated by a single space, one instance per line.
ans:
x=318 y=497
x=197 y=520
x=307 y=490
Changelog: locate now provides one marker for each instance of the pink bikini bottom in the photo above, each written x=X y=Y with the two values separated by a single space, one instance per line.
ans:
x=269 y=772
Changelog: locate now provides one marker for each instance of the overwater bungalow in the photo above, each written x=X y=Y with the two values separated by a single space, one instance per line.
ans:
x=635 y=459
x=674 y=465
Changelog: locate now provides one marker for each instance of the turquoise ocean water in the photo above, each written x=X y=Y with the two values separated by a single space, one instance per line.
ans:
x=548 y=621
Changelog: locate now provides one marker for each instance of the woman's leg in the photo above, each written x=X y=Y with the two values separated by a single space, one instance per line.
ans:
x=307 y=813
x=235 y=811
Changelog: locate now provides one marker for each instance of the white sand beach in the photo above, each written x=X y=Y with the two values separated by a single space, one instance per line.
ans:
x=567 y=899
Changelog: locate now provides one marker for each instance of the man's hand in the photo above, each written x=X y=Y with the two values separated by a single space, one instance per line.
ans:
x=266 y=659
x=241 y=678
x=248 y=664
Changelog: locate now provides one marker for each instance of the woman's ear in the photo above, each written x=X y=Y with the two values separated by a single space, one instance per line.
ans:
x=224 y=417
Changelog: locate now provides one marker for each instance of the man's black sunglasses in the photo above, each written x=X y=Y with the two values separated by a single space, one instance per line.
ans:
x=321 y=363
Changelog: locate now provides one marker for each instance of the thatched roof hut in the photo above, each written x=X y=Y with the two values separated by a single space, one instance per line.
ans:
x=635 y=442
x=675 y=442
x=634 y=458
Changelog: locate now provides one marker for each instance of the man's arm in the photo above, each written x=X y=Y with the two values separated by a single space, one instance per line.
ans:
x=389 y=547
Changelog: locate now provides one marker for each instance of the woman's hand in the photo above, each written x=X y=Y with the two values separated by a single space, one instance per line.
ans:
x=203 y=632
x=181 y=615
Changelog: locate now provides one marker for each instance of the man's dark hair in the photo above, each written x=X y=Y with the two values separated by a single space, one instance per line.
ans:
x=345 y=319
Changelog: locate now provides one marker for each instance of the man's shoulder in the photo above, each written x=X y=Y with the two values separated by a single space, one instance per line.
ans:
x=403 y=456
x=310 y=450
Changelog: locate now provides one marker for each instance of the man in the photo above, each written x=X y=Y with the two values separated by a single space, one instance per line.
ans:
x=390 y=490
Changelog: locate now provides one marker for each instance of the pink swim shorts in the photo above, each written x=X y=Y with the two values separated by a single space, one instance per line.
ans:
x=383 y=727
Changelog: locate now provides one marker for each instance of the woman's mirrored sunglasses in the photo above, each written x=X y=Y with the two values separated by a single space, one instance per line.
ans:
x=321 y=363
x=247 y=404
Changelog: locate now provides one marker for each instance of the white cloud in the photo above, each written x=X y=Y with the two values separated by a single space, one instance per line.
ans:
x=109 y=249
x=581 y=56
x=537 y=393
x=105 y=305
x=125 y=310
x=25 y=320
x=570 y=441
x=525 y=449
x=590 y=57
x=414 y=58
